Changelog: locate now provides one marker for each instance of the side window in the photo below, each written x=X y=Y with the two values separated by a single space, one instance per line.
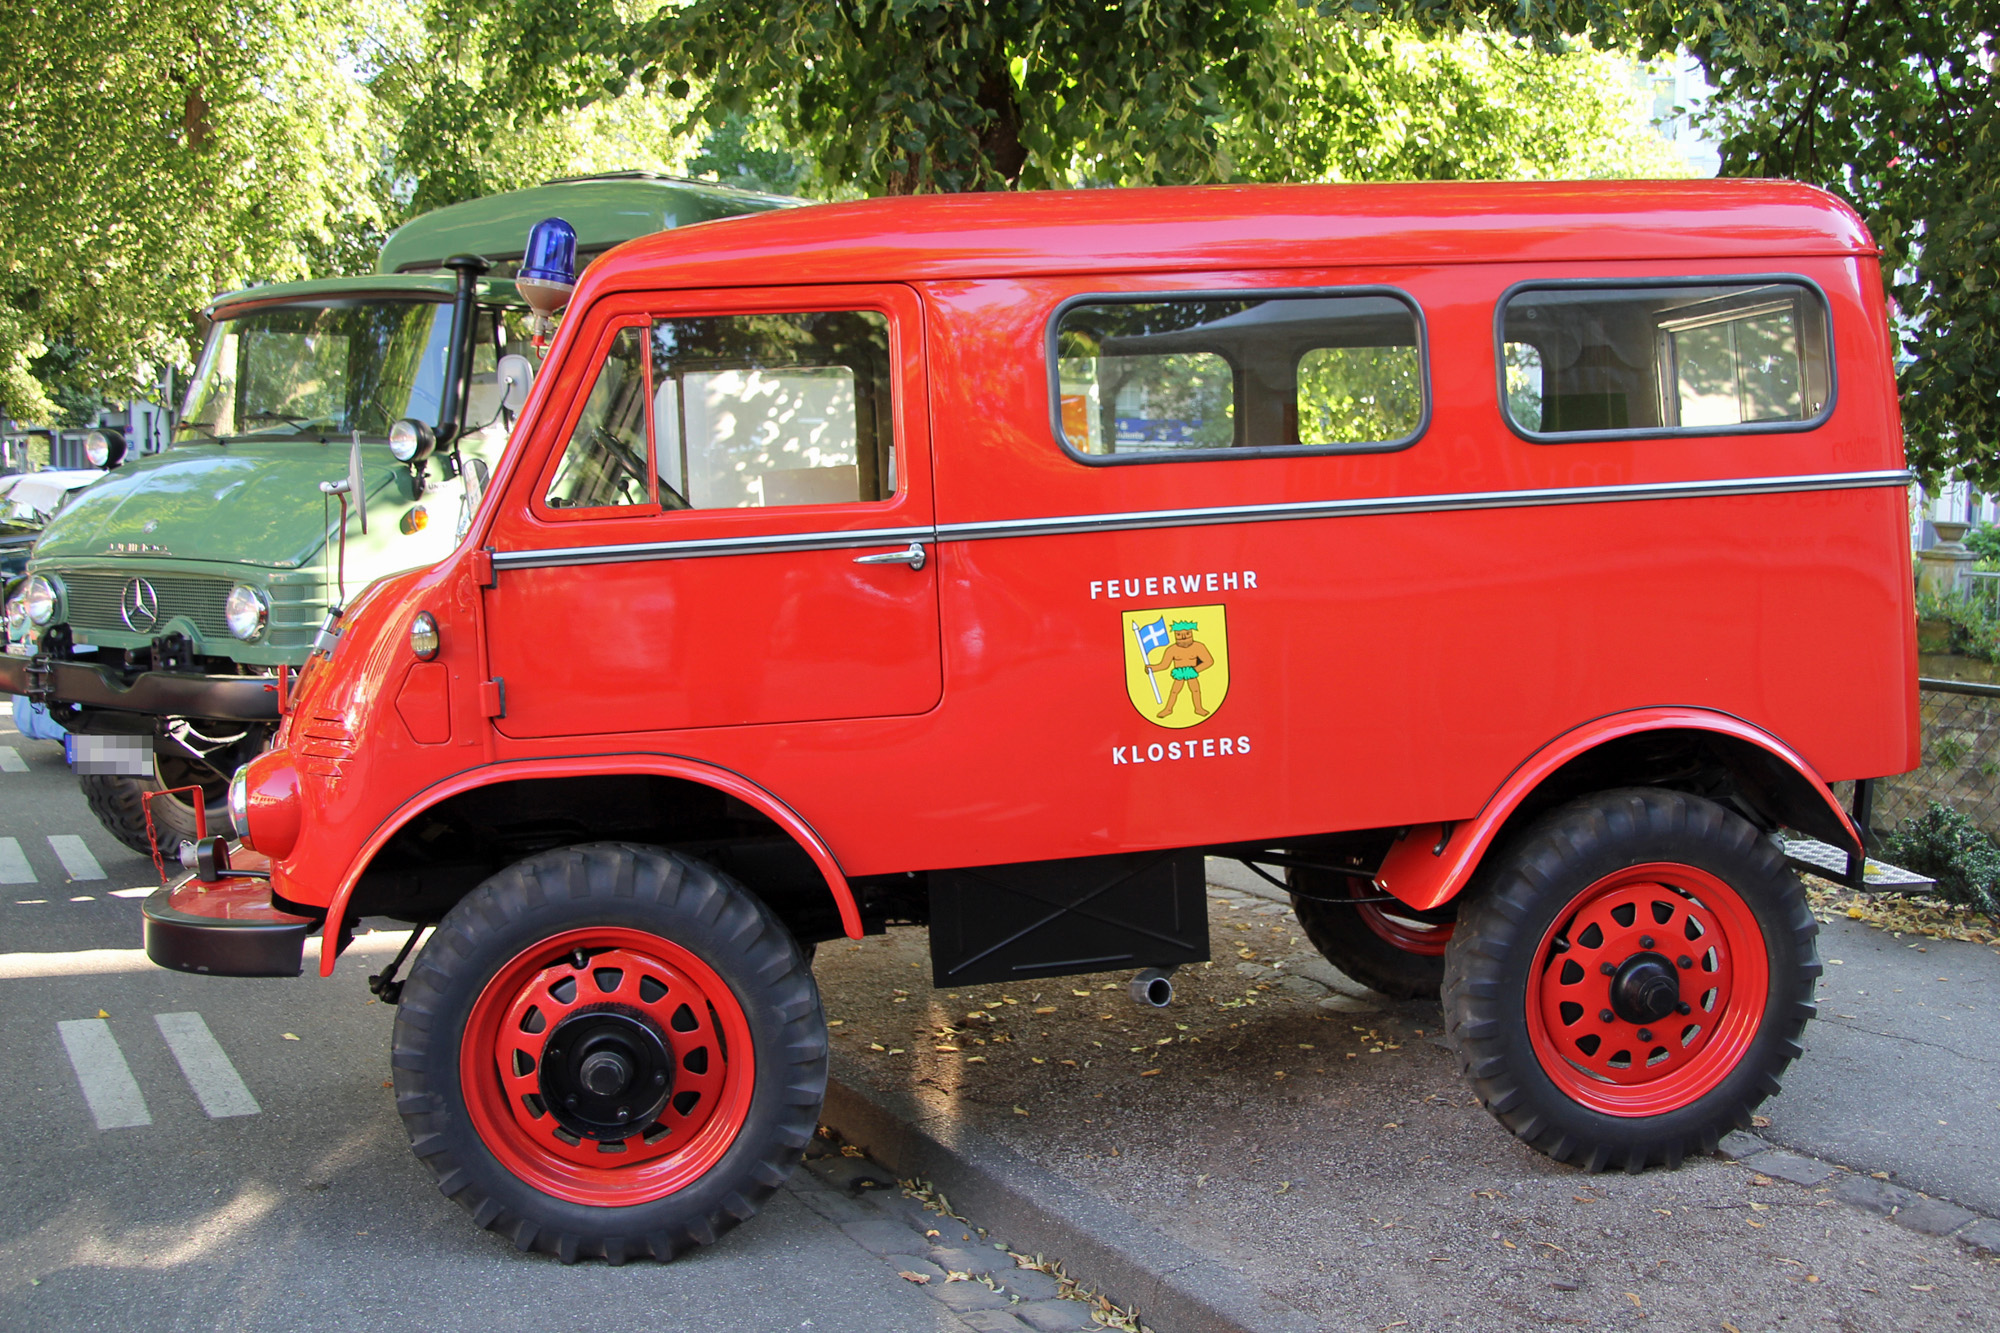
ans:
x=605 y=463
x=1662 y=359
x=1165 y=377
x=751 y=411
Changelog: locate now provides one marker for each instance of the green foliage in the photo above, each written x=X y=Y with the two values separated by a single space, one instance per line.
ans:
x=898 y=96
x=1947 y=846
x=156 y=152
x=1383 y=103
x=1974 y=631
x=1984 y=542
x=458 y=135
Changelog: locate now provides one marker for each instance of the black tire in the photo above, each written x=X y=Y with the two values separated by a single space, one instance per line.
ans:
x=118 y=801
x=614 y=886
x=1346 y=937
x=1537 y=885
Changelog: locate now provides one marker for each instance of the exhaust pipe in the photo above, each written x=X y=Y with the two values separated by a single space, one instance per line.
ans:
x=1154 y=988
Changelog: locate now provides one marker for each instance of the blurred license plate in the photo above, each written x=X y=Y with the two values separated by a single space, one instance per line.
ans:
x=128 y=756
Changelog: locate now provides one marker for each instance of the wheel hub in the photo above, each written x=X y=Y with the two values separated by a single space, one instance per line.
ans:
x=603 y=1070
x=1636 y=982
x=1645 y=989
x=610 y=1057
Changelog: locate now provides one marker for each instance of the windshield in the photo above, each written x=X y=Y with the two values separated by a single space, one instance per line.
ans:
x=319 y=371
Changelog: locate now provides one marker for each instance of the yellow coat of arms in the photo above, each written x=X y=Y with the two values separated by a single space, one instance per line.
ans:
x=1176 y=663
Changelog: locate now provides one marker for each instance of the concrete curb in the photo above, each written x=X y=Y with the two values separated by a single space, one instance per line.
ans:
x=1919 y=1212
x=1175 y=1288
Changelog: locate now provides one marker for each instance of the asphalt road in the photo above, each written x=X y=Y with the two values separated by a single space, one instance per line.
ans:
x=237 y=1162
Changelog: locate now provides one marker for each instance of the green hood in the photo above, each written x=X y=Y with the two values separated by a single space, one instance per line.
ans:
x=251 y=503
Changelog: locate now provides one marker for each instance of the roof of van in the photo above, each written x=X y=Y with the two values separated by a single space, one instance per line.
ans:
x=605 y=210
x=409 y=286
x=1244 y=226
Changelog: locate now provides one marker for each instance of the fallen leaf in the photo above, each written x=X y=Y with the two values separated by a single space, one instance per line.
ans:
x=1284 y=1186
x=980 y=1060
x=877 y=1046
x=1510 y=1244
x=919 y=1278
x=1761 y=1121
x=895 y=1050
x=103 y=1013
x=1147 y=1073
x=1084 y=993
x=1635 y=1299
x=1200 y=1180
x=946 y=1050
x=836 y=1022
x=1020 y=1111
x=291 y=1036
x=1728 y=1327
x=1928 y=1286
x=1754 y=1222
x=1760 y=1207
x=1070 y=1063
x=1046 y=1009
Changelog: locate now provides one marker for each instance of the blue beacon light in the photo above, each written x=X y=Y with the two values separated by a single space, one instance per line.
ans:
x=548 y=274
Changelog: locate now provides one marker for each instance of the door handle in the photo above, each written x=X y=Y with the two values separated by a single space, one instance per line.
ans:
x=913 y=556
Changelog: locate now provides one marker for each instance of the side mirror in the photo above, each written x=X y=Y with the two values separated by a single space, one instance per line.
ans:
x=104 y=448
x=517 y=375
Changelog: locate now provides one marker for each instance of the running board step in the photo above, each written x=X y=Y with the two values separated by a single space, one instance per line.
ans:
x=1822 y=858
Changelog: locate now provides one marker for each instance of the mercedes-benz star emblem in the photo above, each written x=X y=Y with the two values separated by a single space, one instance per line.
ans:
x=139 y=606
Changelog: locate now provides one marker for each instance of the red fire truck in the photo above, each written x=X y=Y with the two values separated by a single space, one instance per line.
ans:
x=1513 y=567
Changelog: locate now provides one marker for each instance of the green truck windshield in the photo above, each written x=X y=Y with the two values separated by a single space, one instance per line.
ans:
x=319 y=370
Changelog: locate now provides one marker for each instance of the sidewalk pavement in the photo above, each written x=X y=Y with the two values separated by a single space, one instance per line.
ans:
x=1282 y=1149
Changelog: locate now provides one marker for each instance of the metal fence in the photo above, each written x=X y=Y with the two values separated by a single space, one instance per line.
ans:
x=1961 y=758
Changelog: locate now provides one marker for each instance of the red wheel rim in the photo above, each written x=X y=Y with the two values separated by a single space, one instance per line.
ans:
x=1598 y=944
x=1396 y=924
x=638 y=984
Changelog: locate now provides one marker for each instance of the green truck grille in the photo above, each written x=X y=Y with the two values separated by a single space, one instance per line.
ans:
x=93 y=601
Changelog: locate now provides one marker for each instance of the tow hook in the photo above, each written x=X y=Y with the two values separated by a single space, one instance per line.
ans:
x=209 y=859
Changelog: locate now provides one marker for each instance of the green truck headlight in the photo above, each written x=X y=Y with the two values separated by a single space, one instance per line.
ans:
x=248 y=612
x=43 y=598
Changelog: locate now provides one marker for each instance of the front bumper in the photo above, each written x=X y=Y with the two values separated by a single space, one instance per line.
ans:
x=157 y=693
x=225 y=929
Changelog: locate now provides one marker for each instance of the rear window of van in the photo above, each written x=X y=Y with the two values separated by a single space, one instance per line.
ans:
x=1151 y=378
x=1589 y=360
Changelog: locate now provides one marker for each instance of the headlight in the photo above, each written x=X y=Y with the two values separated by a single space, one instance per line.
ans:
x=43 y=598
x=239 y=801
x=248 y=612
x=410 y=440
x=104 y=448
x=424 y=636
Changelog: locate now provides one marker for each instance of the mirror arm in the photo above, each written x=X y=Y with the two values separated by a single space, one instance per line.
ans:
x=458 y=369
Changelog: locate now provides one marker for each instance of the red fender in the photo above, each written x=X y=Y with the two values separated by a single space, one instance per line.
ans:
x=721 y=779
x=1433 y=861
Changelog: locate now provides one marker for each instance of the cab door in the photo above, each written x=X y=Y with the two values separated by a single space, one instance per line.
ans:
x=723 y=517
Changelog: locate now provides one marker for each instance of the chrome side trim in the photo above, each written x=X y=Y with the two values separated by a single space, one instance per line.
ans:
x=1416 y=504
x=1187 y=518
x=691 y=550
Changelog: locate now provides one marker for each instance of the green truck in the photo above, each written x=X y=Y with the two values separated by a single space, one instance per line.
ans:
x=163 y=607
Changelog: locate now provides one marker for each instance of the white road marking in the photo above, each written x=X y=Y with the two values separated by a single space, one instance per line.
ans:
x=14 y=867
x=208 y=1071
x=76 y=857
x=11 y=761
x=143 y=891
x=103 y=1074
